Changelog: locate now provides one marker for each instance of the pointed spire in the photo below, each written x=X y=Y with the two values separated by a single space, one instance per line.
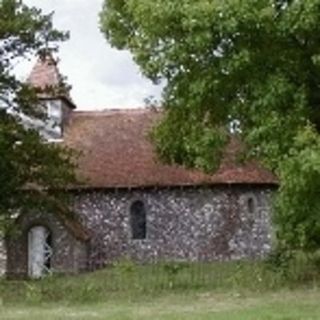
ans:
x=45 y=72
x=46 y=77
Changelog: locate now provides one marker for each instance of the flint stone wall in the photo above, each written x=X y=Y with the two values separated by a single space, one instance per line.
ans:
x=184 y=224
x=69 y=254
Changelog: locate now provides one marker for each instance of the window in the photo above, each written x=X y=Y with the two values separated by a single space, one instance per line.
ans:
x=251 y=205
x=53 y=125
x=234 y=125
x=138 y=220
x=54 y=110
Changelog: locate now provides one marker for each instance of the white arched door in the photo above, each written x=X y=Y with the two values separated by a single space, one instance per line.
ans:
x=39 y=251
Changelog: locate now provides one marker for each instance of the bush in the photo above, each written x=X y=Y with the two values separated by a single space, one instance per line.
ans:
x=295 y=266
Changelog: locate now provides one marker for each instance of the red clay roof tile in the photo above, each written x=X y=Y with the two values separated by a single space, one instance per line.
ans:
x=116 y=152
x=45 y=77
x=45 y=73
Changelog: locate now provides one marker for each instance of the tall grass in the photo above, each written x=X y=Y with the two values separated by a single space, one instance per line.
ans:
x=132 y=281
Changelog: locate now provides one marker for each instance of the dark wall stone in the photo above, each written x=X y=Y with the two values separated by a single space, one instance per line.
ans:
x=69 y=254
x=182 y=224
x=194 y=224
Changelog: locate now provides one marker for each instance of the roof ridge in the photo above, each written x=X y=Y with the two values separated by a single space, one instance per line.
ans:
x=112 y=111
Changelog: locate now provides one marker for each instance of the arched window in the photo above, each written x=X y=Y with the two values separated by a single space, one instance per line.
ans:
x=138 y=220
x=251 y=205
x=39 y=251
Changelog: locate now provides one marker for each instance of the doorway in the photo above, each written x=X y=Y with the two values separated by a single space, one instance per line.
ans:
x=39 y=252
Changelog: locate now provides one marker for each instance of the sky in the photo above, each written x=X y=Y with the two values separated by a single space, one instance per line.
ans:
x=101 y=77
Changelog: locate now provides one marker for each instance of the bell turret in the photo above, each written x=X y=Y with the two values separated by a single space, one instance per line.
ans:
x=53 y=93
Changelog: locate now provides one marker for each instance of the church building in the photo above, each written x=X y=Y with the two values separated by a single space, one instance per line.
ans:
x=130 y=205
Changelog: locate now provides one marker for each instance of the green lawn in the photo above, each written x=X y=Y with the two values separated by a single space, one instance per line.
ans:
x=227 y=290
x=285 y=305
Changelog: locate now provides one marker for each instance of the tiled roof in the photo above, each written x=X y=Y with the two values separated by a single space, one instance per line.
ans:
x=116 y=152
x=45 y=76
x=45 y=73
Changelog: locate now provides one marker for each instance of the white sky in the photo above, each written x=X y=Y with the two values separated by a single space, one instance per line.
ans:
x=101 y=77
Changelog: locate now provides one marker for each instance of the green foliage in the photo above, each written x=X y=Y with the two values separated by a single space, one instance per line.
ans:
x=173 y=268
x=191 y=141
x=26 y=162
x=294 y=266
x=298 y=203
x=130 y=281
x=251 y=61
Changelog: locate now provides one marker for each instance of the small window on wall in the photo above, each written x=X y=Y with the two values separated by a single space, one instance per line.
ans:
x=251 y=205
x=54 y=110
x=138 y=220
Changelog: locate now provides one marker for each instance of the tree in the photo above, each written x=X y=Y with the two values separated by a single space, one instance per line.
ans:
x=30 y=169
x=255 y=63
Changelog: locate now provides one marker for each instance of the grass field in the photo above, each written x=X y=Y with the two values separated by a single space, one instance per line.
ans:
x=234 y=290
x=284 y=305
